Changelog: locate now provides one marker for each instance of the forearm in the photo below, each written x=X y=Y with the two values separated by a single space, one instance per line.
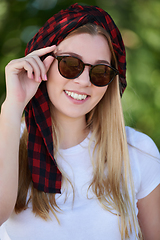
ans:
x=10 y=121
x=23 y=77
x=149 y=215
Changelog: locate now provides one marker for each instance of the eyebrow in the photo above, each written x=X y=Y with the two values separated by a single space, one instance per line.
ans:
x=80 y=57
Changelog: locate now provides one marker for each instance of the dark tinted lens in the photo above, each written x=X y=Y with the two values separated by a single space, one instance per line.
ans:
x=101 y=75
x=70 y=67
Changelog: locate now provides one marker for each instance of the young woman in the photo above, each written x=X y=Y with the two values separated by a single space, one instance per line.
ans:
x=72 y=170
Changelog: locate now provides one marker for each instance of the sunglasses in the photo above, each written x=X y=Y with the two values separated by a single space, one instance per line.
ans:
x=72 y=67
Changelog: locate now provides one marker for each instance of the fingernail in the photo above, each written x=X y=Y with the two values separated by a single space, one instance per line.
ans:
x=40 y=79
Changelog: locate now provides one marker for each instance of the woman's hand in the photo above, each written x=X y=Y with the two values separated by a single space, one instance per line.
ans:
x=24 y=75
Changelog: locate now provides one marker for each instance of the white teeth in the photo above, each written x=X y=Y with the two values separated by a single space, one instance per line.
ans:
x=76 y=96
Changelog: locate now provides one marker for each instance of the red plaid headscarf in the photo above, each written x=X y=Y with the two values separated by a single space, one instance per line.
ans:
x=45 y=174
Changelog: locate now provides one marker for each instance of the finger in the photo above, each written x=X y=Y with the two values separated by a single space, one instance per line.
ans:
x=41 y=66
x=29 y=69
x=17 y=66
x=36 y=68
x=47 y=62
x=43 y=51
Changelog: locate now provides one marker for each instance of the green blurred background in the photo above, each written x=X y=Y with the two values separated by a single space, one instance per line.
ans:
x=139 y=23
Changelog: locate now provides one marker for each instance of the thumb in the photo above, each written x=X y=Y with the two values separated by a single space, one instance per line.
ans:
x=48 y=61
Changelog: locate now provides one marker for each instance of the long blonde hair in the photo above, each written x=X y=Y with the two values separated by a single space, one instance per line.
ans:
x=112 y=180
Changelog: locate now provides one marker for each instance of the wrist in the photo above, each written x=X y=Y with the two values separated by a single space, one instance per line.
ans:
x=11 y=111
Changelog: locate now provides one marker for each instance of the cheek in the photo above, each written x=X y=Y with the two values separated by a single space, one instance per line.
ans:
x=54 y=78
x=98 y=95
x=51 y=84
x=100 y=92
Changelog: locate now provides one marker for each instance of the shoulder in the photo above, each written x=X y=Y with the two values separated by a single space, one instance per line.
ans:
x=145 y=162
x=142 y=142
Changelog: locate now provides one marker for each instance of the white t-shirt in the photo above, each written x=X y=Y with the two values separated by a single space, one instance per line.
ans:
x=85 y=219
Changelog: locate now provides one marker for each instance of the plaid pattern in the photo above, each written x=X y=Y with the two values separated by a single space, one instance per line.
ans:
x=45 y=174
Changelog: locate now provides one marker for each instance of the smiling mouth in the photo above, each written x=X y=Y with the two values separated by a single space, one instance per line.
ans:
x=76 y=96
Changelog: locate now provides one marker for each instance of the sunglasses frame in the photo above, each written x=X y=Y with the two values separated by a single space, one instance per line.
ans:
x=59 y=58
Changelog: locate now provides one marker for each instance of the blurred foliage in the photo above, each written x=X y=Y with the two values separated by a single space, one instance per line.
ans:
x=139 y=23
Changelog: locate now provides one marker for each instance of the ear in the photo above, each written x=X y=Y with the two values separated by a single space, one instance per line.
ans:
x=48 y=61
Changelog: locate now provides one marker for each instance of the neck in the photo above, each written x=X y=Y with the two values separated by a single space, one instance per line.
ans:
x=72 y=131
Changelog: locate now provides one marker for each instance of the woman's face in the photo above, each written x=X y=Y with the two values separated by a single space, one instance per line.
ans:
x=90 y=49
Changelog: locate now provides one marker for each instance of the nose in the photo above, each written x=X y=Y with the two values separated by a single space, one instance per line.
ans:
x=84 y=79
